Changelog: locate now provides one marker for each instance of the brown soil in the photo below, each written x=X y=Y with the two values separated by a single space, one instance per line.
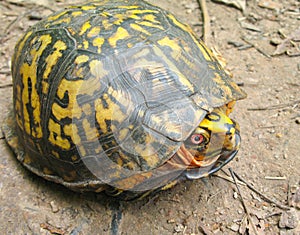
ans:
x=269 y=120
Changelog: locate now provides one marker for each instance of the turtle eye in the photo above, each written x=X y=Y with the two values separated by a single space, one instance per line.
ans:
x=197 y=138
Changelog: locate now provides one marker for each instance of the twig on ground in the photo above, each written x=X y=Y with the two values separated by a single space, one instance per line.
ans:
x=243 y=202
x=277 y=106
x=260 y=194
x=206 y=22
x=8 y=27
x=212 y=196
x=258 y=49
x=5 y=72
x=5 y=85
x=275 y=177
x=228 y=178
x=273 y=214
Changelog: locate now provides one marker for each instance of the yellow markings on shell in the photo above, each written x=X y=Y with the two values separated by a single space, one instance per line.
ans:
x=119 y=162
x=148 y=154
x=139 y=29
x=85 y=44
x=87 y=8
x=39 y=147
x=55 y=154
x=182 y=79
x=140 y=12
x=169 y=185
x=81 y=59
x=128 y=7
x=222 y=85
x=72 y=110
x=152 y=18
x=27 y=160
x=204 y=50
x=47 y=171
x=149 y=24
x=122 y=134
x=97 y=70
x=66 y=20
x=55 y=135
x=102 y=115
x=74 y=158
x=176 y=50
x=85 y=27
x=105 y=14
x=71 y=31
x=72 y=131
x=70 y=177
x=110 y=113
x=55 y=17
x=98 y=42
x=82 y=150
x=91 y=133
x=45 y=87
x=132 y=181
x=120 y=18
x=99 y=149
x=173 y=44
x=184 y=27
x=95 y=31
x=76 y=13
x=30 y=72
x=120 y=34
x=86 y=108
x=79 y=71
x=52 y=59
x=106 y=24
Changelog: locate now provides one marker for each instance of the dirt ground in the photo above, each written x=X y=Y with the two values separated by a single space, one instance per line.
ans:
x=269 y=158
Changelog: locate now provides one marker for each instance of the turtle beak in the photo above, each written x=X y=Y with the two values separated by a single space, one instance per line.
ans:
x=220 y=161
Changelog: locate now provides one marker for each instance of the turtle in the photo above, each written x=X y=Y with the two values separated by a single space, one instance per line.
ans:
x=121 y=97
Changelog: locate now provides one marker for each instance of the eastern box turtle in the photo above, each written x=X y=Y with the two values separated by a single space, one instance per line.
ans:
x=119 y=96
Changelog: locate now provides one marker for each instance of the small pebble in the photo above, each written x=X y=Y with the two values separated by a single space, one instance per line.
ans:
x=179 y=228
x=235 y=227
x=275 y=41
x=54 y=207
x=278 y=135
x=171 y=221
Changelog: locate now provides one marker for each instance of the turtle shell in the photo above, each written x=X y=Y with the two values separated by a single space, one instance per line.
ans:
x=108 y=91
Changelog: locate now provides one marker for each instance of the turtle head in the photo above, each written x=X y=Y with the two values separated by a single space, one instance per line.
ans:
x=212 y=144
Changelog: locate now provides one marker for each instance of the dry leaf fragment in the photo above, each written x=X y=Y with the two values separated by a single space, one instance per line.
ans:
x=240 y=4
